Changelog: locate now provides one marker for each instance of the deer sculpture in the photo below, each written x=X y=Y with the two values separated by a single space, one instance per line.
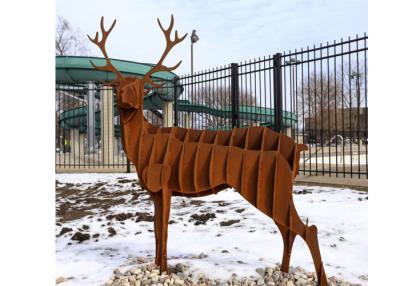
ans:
x=257 y=162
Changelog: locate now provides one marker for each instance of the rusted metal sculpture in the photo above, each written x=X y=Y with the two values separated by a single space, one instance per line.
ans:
x=257 y=162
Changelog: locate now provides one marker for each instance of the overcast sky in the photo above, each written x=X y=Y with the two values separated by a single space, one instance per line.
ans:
x=229 y=30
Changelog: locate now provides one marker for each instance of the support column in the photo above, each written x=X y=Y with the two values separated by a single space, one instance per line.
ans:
x=90 y=117
x=82 y=146
x=115 y=146
x=168 y=114
x=74 y=145
x=188 y=120
x=288 y=132
x=107 y=124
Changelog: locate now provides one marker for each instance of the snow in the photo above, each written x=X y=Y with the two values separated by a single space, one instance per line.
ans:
x=340 y=215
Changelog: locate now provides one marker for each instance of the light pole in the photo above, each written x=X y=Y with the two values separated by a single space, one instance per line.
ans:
x=193 y=39
x=357 y=75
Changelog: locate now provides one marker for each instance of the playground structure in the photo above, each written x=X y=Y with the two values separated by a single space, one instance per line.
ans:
x=87 y=115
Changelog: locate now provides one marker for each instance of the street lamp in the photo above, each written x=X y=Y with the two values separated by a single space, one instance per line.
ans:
x=356 y=75
x=193 y=39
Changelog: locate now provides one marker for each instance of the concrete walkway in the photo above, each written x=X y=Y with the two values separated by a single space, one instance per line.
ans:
x=353 y=183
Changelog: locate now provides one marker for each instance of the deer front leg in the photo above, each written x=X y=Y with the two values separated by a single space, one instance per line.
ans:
x=156 y=177
x=162 y=204
x=288 y=239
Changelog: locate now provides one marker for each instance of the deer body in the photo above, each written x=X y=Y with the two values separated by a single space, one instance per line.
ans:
x=257 y=162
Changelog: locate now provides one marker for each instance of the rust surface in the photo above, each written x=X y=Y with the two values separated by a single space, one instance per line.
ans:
x=257 y=162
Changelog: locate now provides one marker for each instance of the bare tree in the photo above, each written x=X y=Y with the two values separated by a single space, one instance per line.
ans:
x=69 y=41
x=317 y=98
x=214 y=104
x=334 y=101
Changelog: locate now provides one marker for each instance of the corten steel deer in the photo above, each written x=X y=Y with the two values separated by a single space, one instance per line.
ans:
x=257 y=162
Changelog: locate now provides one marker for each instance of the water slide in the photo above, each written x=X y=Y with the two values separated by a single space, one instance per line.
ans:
x=73 y=72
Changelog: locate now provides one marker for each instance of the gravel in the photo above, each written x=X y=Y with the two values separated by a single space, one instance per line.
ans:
x=180 y=275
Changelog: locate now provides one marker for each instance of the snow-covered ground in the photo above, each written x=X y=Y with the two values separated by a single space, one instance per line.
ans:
x=88 y=203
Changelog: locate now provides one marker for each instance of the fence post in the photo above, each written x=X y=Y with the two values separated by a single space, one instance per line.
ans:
x=176 y=94
x=277 y=61
x=235 y=95
x=128 y=165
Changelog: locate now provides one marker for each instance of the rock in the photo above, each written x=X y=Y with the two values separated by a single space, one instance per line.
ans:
x=202 y=255
x=300 y=282
x=363 y=277
x=96 y=235
x=150 y=275
x=146 y=282
x=302 y=192
x=120 y=216
x=80 y=236
x=65 y=230
x=201 y=218
x=143 y=216
x=260 y=282
x=61 y=279
x=261 y=271
x=180 y=267
x=111 y=231
x=229 y=222
x=277 y=276
x=269 y=271
x=85 y=227
x=185 y=274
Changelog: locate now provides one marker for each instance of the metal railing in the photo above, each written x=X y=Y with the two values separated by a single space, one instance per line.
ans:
x=317 y=95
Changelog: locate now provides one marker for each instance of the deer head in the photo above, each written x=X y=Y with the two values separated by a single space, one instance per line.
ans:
x=131 y=90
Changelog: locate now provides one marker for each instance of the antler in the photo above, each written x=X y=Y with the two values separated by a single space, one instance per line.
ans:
x=102 y=45
x=170 y=44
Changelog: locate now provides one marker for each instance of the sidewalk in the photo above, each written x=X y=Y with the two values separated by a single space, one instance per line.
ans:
x=353 y=183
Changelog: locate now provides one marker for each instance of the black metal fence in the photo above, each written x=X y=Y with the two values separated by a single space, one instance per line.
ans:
x=88 y=131
x=317 y=95
x=87 y=127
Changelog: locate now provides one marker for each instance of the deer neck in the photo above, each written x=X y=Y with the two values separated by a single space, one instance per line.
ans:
x=133 y=125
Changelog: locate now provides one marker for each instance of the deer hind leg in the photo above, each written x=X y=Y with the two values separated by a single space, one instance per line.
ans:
x=162 y=204
x=310 y=236
x=288 y=238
